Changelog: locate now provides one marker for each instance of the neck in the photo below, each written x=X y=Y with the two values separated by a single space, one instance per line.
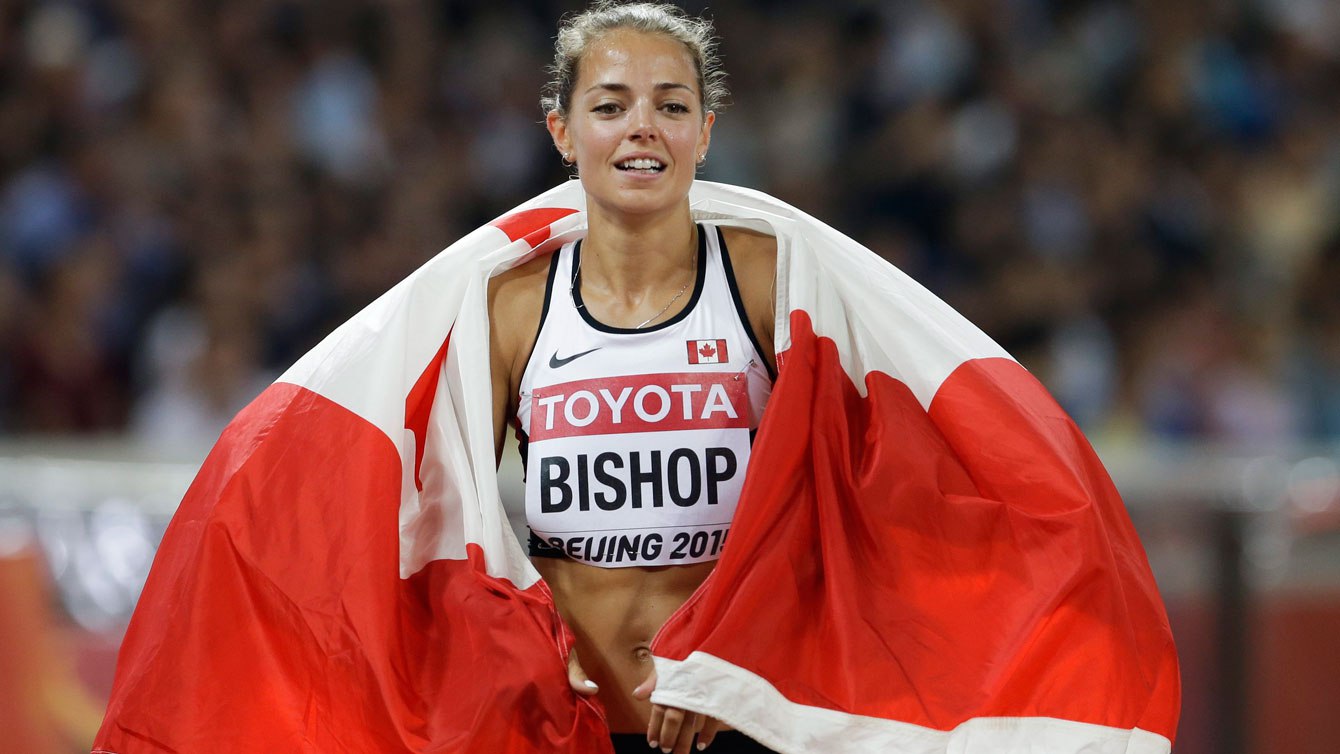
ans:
x=630 y=256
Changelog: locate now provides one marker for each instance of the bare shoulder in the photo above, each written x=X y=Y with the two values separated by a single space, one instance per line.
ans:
x=518 y=290
x=751 y=251
x=753 y=257
x=516 y=299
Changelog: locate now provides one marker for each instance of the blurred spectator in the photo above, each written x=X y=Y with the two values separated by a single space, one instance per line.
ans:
x=1316 y=357
x=65 y=376
x=202 y=361
x=1134 y=197
x=1207 y=374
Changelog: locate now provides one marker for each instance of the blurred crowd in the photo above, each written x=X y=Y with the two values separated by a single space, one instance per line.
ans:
x=1138 y=198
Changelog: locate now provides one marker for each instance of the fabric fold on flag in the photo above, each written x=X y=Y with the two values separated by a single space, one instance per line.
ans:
x=932 y=549
x=928 y=556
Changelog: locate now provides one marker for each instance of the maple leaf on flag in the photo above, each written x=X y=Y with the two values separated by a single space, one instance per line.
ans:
x=707 y=350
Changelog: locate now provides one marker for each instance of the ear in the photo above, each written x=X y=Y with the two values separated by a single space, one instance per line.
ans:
x=705 y=136
x=558 y=131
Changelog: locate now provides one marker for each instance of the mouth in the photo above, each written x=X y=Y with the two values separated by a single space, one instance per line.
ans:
x=641 y=165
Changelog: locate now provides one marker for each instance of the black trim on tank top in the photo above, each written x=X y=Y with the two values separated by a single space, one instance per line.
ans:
x=548 y=292
x=522 y=446
x=739 y=302
x=597 y=324
x=521 y=436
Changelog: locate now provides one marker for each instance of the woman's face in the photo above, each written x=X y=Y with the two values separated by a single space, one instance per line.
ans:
x=635 y=126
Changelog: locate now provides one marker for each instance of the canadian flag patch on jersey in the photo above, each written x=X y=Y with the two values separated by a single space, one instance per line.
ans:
x=707 y=352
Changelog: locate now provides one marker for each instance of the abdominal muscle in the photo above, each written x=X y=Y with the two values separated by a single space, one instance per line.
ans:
x=615 y=613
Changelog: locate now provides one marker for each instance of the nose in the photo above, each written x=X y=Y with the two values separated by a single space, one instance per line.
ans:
x=642 y=122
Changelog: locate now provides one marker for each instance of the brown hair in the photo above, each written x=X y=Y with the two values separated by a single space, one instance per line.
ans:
x=576 y=33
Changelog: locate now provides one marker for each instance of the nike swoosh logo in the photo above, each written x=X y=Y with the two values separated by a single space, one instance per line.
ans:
x=555 y=362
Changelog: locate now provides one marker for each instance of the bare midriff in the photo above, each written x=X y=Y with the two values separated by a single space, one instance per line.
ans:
x=615 y=613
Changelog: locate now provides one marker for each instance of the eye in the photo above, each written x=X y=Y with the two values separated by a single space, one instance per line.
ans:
x=606 y=108
x=678 y=108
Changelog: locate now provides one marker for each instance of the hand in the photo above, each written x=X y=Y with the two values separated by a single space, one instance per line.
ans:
x=577 y=677
x=672 y=729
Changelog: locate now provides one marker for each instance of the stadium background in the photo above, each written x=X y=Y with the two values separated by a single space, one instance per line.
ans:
x=1138 y=198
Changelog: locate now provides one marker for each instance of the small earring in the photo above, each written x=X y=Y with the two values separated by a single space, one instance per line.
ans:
x=567 y=160
x=702 y=158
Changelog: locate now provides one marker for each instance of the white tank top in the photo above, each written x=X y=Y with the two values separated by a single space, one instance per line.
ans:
x=636 y=441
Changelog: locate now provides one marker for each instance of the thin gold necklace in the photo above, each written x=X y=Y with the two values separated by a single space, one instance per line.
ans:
x=577 y=272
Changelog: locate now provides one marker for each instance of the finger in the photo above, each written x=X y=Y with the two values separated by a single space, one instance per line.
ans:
x=654 y=725
x=709 y=732
x=671 y=724
x=577 y=677
x=644 y=689
x=684 y=741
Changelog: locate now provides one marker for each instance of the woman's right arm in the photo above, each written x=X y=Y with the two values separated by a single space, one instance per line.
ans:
x=501 y=358
x=516 y=301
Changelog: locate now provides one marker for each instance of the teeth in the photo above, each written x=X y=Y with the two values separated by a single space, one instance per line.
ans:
x=642 y=163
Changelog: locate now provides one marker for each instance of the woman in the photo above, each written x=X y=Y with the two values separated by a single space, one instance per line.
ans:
x=933 y=561
x=635 y=413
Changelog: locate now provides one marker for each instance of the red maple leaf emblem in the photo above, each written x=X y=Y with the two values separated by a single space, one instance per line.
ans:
x=707 y=350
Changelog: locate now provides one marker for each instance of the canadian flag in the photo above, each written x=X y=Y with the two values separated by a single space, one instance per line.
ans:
x=707 y=352
x=927 y=556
